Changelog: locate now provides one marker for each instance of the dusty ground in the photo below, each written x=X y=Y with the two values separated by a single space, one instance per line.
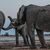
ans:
x=10 y=45
x=22 y=48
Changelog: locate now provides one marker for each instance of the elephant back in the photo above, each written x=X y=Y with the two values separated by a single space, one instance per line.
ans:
x=2 y=19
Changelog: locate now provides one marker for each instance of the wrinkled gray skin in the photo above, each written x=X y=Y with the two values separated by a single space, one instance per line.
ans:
x=36 y=17
x=18 y=30
x=22 y=29
x=2 y=20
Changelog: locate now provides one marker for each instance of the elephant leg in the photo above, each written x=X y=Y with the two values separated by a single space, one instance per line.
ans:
x=41 y=38
x=32 y=36
x=25 y=40
x=17 y=41
x=25 y=34
x=22 y=33
x=32 y=39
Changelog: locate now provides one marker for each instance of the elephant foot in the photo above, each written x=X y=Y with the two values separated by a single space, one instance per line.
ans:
x=33 y=47
x=26 y=44
x=16 y=45
x=43 y=47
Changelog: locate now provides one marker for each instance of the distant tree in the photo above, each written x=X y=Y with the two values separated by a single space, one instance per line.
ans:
x=6 y=34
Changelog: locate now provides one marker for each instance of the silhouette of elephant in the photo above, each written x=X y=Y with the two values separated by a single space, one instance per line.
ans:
x=36 y=17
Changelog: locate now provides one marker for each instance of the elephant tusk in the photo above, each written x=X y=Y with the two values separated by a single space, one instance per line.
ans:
x=19 y=27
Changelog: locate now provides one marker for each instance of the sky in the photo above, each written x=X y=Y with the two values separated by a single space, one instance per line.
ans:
x=11 y=7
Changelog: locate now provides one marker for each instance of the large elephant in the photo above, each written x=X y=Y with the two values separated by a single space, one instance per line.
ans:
x=21 y=29
x=36 y=17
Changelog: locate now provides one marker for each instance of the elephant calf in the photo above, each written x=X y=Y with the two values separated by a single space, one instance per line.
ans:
x=21 y=29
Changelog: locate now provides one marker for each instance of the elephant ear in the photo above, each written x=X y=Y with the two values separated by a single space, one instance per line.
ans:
x=20 y=12
x=2 y=20
x=21 y=15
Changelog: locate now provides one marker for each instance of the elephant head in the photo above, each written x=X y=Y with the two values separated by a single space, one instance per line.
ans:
x=18 y=29
x=13 y=24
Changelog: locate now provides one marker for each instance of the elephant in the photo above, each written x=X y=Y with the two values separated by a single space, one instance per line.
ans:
x=2 y=20
x=21 y=29
x=36 y=17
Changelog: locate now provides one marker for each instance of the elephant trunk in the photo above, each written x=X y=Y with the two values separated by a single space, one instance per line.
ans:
x=9 y=27
x=10 y=18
